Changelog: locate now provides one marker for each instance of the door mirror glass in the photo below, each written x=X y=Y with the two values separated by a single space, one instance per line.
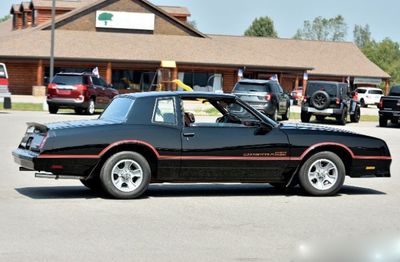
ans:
x=262 y=129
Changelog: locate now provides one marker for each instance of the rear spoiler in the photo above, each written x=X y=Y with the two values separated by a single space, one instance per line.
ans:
x=42 y=128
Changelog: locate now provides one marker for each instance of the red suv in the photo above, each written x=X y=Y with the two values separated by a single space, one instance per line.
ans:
x=83 y=92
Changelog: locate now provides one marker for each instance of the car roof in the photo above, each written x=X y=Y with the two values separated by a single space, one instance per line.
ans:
x=180 y=94
x=74 y=73
x=255 y=81
x=327 y=82
x=368 y=88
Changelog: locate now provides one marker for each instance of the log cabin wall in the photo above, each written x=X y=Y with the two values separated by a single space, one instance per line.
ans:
x=22 y=76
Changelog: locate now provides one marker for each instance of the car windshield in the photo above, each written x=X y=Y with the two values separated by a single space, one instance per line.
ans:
x=252 y=87
x=69 y=80
x=118 y=110
x=331 y=89
x=395 y=91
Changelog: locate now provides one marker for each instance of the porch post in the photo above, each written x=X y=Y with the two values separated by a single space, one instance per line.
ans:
x=39 y=75
x=387 y=86
x=109 y=73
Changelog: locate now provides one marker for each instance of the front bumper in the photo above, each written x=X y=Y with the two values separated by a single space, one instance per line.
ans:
x=371 y=168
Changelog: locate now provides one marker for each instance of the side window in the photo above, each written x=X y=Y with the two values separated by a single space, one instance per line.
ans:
x=96 y=81
x=164 y=111
x=103 y=82
x=278 y=86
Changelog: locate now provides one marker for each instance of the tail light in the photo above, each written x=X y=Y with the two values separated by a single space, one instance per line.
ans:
x=81 y=87
x=268 y=97
x=4 y=81
x=380 y=105
x=338 y=101
x=305 y=99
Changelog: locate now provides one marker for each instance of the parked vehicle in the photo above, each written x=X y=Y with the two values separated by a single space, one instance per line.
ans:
x=147 y=138
x=369 y=96
x=266 y=96
x=389 y=107
x=296 y=95
x=324 y=99
x=83 y=92
x=4 y=92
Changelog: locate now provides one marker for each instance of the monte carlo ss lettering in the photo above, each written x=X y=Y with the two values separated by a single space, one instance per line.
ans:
x=183 y=137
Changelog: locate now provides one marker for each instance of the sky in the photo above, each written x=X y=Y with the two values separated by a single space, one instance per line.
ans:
x=233 y=17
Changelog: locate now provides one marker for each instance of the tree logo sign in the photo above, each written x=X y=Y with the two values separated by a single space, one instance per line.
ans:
x=105 y=17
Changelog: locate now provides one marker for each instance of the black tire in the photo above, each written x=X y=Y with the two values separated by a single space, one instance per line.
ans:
x=107 y=177
x=355 y=118
x=305 y=117
x=310 y=185
x=286 y=115
x=91 y=108
x=79 y=111
x=362 y=102
x=93 y=184
x=342 y=120
x=53 y=109
x=383 y=121
x=320 y=118
x=320 y=100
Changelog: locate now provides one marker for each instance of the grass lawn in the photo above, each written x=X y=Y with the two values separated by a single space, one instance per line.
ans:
x=25 y=106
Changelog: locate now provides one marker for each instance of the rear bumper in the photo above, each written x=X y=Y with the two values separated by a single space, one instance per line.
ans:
x=389 y=114
x=371 y=168
x=67 y=102
x=25 y=158
x=324 y=112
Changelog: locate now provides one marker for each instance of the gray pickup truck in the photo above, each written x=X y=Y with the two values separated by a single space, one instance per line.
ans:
x=389 y=107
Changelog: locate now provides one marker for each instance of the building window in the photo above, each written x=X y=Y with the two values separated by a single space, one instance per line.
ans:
x=203 y=82
x=134 y=81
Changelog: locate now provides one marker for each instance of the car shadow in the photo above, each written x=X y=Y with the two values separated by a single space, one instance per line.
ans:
x=186 y=190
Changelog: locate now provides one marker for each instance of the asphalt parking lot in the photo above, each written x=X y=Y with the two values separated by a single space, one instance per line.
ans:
x=47 y=220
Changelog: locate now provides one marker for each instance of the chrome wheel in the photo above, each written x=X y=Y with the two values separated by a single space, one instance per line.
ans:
x=323 y=174
x=127 y=175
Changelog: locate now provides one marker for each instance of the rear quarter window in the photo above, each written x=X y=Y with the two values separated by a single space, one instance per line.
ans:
x=118 y=110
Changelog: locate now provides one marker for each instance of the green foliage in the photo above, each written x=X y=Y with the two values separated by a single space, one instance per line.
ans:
x=262 y=26
x=386 y=55
x=362 y=35
x=192 y=23
x=105 y=17
x=5 y=18
x=324 y=29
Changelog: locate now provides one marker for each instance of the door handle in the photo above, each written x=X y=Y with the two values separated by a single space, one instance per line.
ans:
x=188 y=134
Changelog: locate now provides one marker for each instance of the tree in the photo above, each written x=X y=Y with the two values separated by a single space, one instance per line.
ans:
x=192 y=23
x=105 y=17
x=324 y=29
x=386 y=55
x=262 y=26
x=362 y=35
x=5 y=18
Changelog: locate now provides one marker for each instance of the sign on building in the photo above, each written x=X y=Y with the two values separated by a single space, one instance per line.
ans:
x=367 y=80
x=125 y=20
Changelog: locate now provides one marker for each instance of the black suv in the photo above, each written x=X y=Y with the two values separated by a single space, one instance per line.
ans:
x=324 y=99
x=266 y=96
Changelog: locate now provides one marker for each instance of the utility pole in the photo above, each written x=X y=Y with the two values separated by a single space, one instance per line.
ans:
x=53 y=27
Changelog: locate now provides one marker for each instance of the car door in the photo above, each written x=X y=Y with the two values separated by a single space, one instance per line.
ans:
x=282 y=98
x=101 y=99
x=232 y=152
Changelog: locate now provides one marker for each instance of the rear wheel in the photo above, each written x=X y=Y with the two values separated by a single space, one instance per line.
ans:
x=322 y=174
x=342 y=119
x=305 y=117
x=274 y=116
x=125 y=175
x=355 y=118
x=382 y=121
x=286 y=115
x=53 y=109
x=91 y=108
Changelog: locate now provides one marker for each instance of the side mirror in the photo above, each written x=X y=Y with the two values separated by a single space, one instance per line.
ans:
x=262 y=129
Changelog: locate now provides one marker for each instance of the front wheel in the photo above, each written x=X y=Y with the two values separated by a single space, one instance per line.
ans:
x=125 y=175
x=322 y=174
x=91 y=108
x=383 y=121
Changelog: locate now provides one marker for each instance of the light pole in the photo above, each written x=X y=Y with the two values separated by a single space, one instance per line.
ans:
x=53 y=27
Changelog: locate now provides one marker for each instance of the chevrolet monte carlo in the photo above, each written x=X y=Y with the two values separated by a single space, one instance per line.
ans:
x=184 y=137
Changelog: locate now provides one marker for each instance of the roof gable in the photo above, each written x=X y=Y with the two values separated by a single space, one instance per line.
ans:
x=84 y=18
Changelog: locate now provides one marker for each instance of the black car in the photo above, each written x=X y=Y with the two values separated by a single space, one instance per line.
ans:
x=266 y=96
x=154 y=138
x=389 y=107
x=329 y=99
x=83 y=92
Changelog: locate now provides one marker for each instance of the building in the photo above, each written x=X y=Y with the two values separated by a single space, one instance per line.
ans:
x=128 y=40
